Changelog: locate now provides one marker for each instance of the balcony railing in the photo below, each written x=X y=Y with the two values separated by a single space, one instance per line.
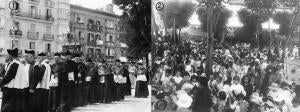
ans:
x=34 y=1
x=94 y=28
x=49 y=3
x=32 y=35
x=16 y=33
x=48 y=37
x=35 y=16
x=79 y=25
x=50 y=18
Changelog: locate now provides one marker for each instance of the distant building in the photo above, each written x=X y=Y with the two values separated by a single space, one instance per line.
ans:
x=35 y=25
x=95 y=33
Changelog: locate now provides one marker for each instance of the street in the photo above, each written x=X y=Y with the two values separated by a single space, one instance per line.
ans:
x=130 y=104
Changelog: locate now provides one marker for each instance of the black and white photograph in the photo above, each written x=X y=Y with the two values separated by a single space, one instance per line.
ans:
x=225 y=56
x=75 y=55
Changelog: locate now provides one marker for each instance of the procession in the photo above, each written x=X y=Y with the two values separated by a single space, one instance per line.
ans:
x=41 y=84
x=223 y=56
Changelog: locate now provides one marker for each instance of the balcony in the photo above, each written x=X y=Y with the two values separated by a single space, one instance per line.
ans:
x=34 y=1
x=79 y=25
x=111 y=30
x=94 y=28
x=48 y=37
x=50 y=18
x=32 y=35
x=49 y=3
x=110 y=44
x=16 y=33
x=34 y=17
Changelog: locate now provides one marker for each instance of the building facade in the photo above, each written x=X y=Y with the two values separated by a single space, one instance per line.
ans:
x=33 y=26
x=95 y=33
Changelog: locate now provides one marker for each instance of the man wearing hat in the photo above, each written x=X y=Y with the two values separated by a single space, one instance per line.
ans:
x=57 y=69
x=42 y=84
x=69 y=90
x=14 y=84
x=32 y=70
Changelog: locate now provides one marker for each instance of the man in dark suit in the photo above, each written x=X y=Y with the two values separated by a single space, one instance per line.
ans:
x=14 y=84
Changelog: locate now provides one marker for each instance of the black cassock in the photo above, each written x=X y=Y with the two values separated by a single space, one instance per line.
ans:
x=70 y=89
x=12 y=98
x=127 y=85
x=82 y=73
x=40 y=94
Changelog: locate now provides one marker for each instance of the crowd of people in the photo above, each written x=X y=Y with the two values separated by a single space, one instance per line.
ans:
x=66 y=81
x=243 y=79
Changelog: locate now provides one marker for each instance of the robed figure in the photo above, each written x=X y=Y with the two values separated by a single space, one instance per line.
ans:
x=42 y=84
x=141 y=89
x=14 y=85
x=105 y=83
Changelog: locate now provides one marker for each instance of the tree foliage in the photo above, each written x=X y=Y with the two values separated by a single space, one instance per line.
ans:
x=283 y=19
x=137 y=24
x=221 y=23
x=181 y=11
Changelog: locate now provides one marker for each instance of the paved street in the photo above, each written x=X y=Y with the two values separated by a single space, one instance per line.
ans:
x=130 y=104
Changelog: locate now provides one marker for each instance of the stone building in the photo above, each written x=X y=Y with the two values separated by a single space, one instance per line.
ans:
x=95 y=33
x=36 y=25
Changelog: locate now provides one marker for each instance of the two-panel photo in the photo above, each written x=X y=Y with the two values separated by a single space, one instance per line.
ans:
x=149 y=56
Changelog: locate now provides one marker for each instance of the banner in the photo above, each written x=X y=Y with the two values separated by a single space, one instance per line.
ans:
x=292 y=70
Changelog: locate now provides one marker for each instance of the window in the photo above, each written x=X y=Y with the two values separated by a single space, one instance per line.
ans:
x=91 y=38
x=111 y=38
x=32 y=27
x=80 y=35
x=109 y=24
x=98 y=51
x=48 y=47
x=49 y=13
x=31 y=45
x=33 y=11
x=90 y=51
x=48 y=29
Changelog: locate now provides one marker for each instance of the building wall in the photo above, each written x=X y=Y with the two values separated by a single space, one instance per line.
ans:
x=103 y=46
x=38 y=26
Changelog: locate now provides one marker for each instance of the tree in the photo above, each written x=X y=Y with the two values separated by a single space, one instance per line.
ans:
x=251 y=24
x=224 y=14
x=136 y=19
x=181 y=11
x=212 y=20
x=260 y=10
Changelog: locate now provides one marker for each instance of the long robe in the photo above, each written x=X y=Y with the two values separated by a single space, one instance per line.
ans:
x=13 y=99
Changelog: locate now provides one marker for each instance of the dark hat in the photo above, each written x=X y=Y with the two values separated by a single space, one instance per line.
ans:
x=29 y=52
x=57 y=54
x=13 y=52
x=42 y=54
x=66 y=53
x=89 y=60
x=194 y=77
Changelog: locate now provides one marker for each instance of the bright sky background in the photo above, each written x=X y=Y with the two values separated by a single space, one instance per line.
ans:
x=93 y=4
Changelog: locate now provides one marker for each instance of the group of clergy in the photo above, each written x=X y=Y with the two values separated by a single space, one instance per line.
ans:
x=36 y=84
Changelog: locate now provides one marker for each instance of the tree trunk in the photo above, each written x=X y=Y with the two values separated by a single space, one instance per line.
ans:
x=210 y=35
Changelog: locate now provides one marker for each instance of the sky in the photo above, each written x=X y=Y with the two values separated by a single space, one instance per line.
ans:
x=93 y=4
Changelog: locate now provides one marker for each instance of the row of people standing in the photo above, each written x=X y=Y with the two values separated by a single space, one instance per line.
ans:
x=37 y=85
